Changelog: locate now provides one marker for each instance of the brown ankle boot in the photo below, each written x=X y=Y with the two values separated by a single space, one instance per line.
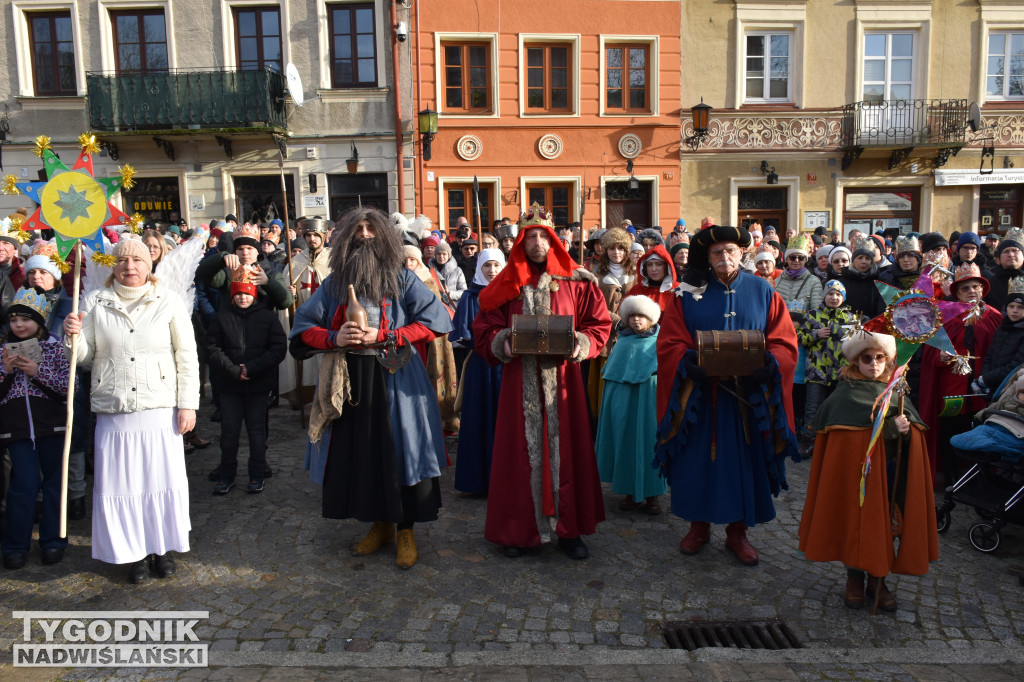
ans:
x=381 y=533
x=736 y=541
x=854 y=597
x=699 y=535
x=407 y=554
x=886 y=601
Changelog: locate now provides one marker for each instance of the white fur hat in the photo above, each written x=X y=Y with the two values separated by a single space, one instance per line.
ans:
x=860 y=342
x=640 y=305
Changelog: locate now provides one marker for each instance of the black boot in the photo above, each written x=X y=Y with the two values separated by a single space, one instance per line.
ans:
x=139 y=571
x=164 y=566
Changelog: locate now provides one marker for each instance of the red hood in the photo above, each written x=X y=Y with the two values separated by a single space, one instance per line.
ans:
x=516 y=274
x=660 y=252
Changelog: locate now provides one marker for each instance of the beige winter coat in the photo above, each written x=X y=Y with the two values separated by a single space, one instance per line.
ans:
x=140 y=362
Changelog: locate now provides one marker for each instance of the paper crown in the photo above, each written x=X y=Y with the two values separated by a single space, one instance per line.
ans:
x=242 y=281
x=1016 y=286
x=799 y=242
x=967 y=271
x=765 y=247
x=866 y=244
x=536 y=217
x=1014 y=234
x=46 y=249
x=44 y=256
x=30 y=303
x=907 y=245
x=11 y=232
x=247 y=235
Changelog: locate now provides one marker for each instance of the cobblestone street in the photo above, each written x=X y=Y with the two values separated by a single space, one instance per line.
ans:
x=283 y=590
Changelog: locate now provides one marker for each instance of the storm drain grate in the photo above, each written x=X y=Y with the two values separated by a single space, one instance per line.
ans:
x=738 y=634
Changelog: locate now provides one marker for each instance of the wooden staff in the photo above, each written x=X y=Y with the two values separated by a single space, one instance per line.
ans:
x=479 y=226
x=583 y=205
x=892 y=493
x=71 y=398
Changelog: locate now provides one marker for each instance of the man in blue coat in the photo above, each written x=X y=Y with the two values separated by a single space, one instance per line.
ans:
x=375 y=429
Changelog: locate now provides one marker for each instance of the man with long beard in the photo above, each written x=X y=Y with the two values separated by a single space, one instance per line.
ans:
x=544 y=477
x=375 y=439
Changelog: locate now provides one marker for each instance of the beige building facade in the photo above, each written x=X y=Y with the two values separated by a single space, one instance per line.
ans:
x=858 y=111
x=199 y=103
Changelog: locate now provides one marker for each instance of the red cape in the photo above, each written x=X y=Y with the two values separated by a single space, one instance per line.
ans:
x=516 y=274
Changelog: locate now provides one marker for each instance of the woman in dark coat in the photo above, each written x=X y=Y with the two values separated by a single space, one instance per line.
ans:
x=479 y=385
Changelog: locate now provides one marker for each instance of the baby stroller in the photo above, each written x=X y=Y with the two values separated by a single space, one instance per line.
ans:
x=994 y=484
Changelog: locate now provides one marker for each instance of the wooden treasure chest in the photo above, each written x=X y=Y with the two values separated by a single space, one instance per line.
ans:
x=543 y=335
x=730 y=354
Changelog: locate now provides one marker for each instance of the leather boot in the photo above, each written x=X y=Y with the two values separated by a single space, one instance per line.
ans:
x=407 y=555
x=854 y=596
x=195 y=440
x=381 y=533
x=699 y=535
x=886 y=601
x=736 y=541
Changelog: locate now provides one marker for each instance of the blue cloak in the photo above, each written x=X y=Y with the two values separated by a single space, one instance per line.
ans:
x=481 y=386
x=718 y=472
x=415 y=418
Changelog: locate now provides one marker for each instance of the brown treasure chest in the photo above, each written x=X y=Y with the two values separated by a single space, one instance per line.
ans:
x=543 y=335
x=730 y=354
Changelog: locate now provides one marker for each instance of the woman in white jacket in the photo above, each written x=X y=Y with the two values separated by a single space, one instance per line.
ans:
x=138 y=339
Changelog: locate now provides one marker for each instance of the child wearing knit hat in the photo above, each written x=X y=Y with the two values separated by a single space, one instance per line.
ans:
x=821 y=333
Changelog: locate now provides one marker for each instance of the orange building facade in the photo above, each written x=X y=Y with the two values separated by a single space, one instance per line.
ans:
x=573 y=104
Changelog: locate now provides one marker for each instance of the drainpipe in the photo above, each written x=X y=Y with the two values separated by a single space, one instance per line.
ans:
x=399 y=138
x=420 y=188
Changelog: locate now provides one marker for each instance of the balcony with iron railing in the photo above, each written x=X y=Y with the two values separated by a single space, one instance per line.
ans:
x=905 y=122
x=200 y=100
x=901 y=125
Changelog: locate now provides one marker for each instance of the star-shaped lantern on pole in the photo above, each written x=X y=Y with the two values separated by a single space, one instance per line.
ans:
x=72 y=201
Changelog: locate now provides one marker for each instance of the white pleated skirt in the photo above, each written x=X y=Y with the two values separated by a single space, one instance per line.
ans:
x=140 y=494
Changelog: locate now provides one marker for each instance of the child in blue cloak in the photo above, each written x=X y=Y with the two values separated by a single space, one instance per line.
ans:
x=628 y=425
x=479 y=386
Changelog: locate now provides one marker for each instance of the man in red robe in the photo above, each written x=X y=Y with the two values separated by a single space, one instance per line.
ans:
x=544 y=474
x=971 y=337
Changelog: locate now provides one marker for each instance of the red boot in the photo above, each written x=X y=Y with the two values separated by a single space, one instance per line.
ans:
x=736 y=541
x=699 y=535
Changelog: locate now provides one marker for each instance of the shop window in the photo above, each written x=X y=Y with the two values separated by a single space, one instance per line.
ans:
x=53 y=53
x=999 y=208
x=352 y=190
x=258 y=198
x=895 y=211
x=157 y=199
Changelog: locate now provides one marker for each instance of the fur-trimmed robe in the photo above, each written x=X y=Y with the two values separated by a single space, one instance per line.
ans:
x=543 y=430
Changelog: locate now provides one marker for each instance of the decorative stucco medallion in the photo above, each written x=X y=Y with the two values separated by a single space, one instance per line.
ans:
x=470 y=147
x=550 y=146
x=630 y=146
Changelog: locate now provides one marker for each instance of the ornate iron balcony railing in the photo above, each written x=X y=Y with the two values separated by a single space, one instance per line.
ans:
x=186 y=100
x=904 y=122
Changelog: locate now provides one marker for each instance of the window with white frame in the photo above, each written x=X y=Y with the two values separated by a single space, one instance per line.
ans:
x=768 y=67
x=889 y=66
x=1004 y=77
